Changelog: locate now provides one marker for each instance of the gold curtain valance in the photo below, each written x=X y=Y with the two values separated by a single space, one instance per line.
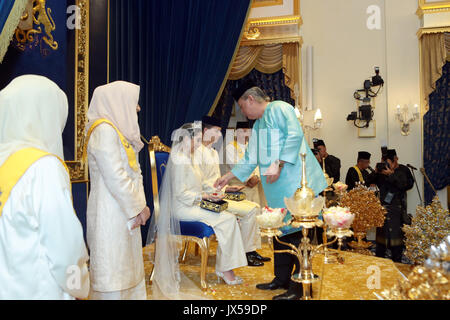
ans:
x=268 y=59
x=433 y=57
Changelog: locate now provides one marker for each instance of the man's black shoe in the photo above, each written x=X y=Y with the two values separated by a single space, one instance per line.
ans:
x=287 y=296
x=271 y=286
x=252 y=261
x=259 y=257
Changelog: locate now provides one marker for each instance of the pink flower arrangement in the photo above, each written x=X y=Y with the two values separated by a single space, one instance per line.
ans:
x=338 y=217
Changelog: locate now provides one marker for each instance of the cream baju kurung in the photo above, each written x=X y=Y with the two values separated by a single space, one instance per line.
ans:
x=42 y=250
x=234 y=153
x=117 y=196
x=207 y=160
x=187 y=184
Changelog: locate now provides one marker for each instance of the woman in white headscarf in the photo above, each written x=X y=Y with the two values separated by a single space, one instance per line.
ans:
x=116 y=205
x=42 y=250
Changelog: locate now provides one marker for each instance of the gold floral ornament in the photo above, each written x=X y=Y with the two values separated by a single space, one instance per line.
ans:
x=429 y=227
x=35 y=15
x=427 y=282
x=252 y=33
x=368 y=211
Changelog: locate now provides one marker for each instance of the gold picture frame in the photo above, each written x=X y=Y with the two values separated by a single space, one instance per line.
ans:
x=426 y=6
x=266 y=3
x=78 y=168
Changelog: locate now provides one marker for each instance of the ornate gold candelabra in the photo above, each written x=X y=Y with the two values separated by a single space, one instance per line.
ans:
x=304 y=208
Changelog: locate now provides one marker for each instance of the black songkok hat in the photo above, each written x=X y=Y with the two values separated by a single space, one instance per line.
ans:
x=318 y=143
x=211 y=121
x=363 y=155
x=243 y=125
x=239 y=91
x=390 y=154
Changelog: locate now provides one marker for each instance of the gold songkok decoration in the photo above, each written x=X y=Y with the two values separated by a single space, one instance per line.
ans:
x=366 y=206
x=429 y=226
x=427 y=282
x=368 y=212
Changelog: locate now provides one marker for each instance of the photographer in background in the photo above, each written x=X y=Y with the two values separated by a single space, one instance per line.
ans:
x=332 y=164
x=393 y=182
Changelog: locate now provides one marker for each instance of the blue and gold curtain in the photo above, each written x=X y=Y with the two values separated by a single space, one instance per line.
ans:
x=10 y=14
x=436 y=126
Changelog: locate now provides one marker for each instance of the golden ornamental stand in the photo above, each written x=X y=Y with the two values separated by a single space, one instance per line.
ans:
x=305 y=209
x=361 y=246
x=304 y=253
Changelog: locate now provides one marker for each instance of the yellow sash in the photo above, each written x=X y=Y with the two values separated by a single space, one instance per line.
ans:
x=128 y=148
x=238 y=150
x=15 y=167
x=359 y=174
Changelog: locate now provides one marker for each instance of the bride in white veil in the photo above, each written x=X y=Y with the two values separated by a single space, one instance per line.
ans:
x=169 y=283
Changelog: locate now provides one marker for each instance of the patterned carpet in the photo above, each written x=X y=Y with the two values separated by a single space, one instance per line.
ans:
x=346 y=281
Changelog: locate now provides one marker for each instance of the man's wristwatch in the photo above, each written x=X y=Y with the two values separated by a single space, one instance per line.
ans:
x=281 y=165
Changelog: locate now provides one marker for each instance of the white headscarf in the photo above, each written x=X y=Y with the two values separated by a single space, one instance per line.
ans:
x=117 y=102
x=33 y=113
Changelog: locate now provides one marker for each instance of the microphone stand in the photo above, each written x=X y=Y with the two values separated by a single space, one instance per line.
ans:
x=415 y=181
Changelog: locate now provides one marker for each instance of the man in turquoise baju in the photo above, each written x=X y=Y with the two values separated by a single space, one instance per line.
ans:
x=276 y=141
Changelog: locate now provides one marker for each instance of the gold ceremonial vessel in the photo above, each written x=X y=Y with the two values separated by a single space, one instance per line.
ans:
x=214 y=206
x=235 y=196
x=361 y=246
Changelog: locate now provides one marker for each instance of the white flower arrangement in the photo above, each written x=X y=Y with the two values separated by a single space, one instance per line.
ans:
x=340 y=186
x=271 y=218
x=338 y=217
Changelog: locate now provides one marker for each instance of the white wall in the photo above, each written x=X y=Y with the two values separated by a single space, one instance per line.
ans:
x=345 y=53
x=286 y=9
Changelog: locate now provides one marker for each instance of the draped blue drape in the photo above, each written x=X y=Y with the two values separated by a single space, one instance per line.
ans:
x=179 y=53
x=273 y=85
x=436 y=130
x=5 y=9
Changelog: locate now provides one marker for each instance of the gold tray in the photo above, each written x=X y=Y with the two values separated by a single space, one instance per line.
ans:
x=235 y=196
x=214 y=206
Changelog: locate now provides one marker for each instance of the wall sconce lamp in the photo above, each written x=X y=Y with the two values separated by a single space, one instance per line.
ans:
x=317 y=119
x=406 y=116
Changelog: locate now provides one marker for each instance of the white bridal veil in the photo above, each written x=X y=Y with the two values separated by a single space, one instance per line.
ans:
x=169 y=282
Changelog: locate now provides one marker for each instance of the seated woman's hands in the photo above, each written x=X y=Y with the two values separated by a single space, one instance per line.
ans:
x=215 y=196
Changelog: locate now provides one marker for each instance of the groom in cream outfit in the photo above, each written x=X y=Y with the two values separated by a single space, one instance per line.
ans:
x=208 y=159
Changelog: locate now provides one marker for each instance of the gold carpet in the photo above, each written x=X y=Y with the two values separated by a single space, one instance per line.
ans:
x=357 y=278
